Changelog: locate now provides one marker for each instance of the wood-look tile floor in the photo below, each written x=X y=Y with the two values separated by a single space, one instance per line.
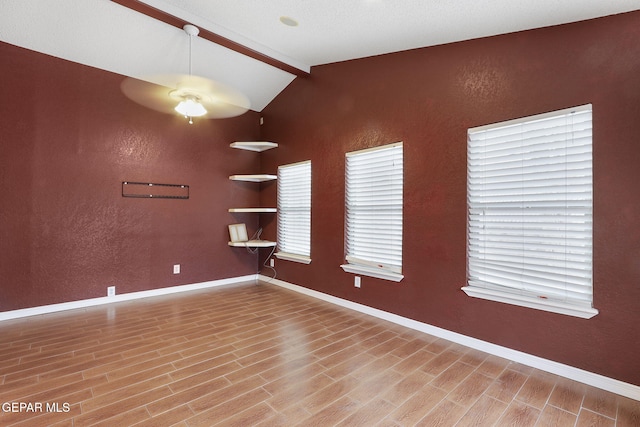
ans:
x=260 y=355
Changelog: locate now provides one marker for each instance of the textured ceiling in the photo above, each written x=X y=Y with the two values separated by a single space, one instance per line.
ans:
x=338 y=30
x=106 y=35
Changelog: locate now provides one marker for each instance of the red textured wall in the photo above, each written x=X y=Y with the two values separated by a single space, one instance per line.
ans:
x=428 y=98
x=68 y=138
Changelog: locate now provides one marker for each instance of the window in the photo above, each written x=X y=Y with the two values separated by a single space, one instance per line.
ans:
x=294 y=212
x=373 y=240
x=529 y=189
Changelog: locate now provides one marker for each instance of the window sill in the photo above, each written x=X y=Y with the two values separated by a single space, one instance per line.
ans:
x=372 y=272
x=293 y=257
x=523 y=301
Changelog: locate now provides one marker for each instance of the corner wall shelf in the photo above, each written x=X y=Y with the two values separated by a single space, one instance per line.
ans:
x=253 y=210
x=253 y=244
x=253 y=145
x=253 y=178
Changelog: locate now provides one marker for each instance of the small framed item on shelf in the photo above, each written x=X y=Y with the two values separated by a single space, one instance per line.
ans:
x=238 y=233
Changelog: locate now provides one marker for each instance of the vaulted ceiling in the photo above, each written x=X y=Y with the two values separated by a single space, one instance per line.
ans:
x=260 y=46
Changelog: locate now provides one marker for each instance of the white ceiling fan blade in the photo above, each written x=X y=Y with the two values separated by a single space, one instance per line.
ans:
x=163 y=92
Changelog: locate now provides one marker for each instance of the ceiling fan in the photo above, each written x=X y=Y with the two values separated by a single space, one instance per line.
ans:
x=188 y=95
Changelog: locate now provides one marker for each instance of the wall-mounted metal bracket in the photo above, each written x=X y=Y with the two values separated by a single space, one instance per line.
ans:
x=150 y=190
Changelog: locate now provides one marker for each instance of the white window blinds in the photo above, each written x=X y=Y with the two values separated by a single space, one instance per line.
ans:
x=294 y=210
x=530 y=211
x=374 y=181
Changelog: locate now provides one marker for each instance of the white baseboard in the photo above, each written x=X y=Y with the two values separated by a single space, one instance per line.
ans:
x=34 y=311
x=615 y=386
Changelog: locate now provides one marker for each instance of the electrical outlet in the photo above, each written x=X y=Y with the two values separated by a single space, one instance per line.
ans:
x=111 y=291
x=272 y=262
x=176 y=268
x=356 y=281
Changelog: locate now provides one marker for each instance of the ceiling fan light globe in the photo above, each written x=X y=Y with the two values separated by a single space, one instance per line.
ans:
x=190 y=108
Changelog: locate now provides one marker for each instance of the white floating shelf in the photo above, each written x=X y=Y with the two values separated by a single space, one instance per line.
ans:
x=253 y=145
x=253 y=178
x=256 y=210
x=253 y=244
